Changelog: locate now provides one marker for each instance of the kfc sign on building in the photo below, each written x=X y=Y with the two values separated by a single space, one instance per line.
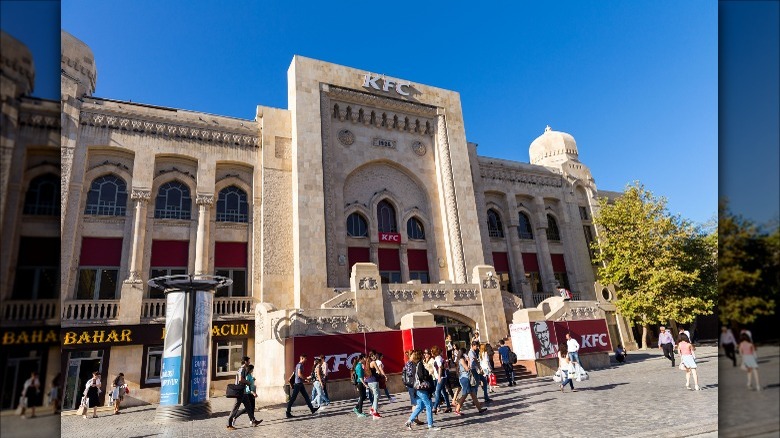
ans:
x=383 y=83
x=390 y=238
x=540 y=339
x=592 y=334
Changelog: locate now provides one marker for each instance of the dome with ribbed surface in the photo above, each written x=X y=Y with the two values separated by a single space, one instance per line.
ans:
x=553 y=148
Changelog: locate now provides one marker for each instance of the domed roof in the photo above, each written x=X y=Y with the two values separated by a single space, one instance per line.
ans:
x=553 y=147
x=17 y=63
x=78 y=61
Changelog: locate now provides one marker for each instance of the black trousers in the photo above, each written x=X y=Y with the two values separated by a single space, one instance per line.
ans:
x=510 y=373
x=361 y=389
x=729 y=349
x=668 y=351
x=298 y=388
x=249 y=408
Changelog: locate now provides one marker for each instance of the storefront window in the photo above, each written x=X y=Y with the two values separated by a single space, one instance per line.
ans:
x=228 y=357
x=153 y=364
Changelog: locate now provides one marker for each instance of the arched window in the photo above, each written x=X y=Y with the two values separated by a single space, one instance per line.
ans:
x=495 y=227
x=173 y=201
x=553 y=233
x=107 y=196
x=43 y=196
x=232 y=205
x=357 y=226
x=385 y=214
x=524 y=230
x=415 y=229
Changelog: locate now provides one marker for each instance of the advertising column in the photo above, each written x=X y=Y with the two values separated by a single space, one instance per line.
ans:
x=170 y=375
x=201 y=341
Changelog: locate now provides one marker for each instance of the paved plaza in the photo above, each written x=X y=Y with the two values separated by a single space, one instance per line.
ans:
x=645 y=397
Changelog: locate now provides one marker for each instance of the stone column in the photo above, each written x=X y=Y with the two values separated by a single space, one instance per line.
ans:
x=517 y=270
x=452 y=220
x=203 y=201
x=141 y=198
x=404 y=256
x=542 y=248
x=373 y=255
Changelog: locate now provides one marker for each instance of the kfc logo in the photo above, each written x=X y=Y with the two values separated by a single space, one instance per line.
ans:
x=390 y=237
x=594 y=340
x=340 y=359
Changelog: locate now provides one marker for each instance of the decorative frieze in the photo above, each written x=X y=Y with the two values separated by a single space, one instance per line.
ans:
x=465 y=294
x=367 y=283
x=36 y=120
x=518 y=176
x=142 y=195
x=380 y=102
x=204 y=199
x=168 y=129
x=401 y=294
x=434 y=294
x=450 y=201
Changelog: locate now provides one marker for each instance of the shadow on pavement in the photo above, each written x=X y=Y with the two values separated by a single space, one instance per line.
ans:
x=601 y=388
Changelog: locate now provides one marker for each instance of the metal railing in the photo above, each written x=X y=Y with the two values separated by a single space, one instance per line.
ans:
x=29 y=311
x=541 y=296
x=90 y=310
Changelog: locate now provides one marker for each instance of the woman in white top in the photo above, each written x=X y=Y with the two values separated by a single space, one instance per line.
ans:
x=381 y=368
x=484 y=363
x=564 y=366
x=118 y=391
x=92 y=393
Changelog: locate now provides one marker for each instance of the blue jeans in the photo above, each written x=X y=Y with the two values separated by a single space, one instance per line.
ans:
x=438 y=394
x=412 y=395
x=574 y=356
x=373 y=390
x=482 y=379
x=567 y=380
x=318 y=397
x=423 y=400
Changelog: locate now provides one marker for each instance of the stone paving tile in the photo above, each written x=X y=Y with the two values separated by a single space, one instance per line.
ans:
x=640 y=398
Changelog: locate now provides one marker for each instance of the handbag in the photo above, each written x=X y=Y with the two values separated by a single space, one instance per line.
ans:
x=83 y=407
x=682 y=366
x=234 y=390
x=492 y=381
x=472 y=380
x=558 y=376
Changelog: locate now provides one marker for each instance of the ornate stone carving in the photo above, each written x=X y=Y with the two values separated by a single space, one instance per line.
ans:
x=141 y=195
x=451 y=203
x=419 y=148
x=342 y=260
x=401 y=294
x=367 y=283
x=346 y=137
x=328 y=192
x=379 y=101
x=134 y=124
x=434 y=295
x=517 y=176
x=134 y=278
x=489 y=282
x=346 y=304
x=204 y=199
x=37 y=120
x=464 y=294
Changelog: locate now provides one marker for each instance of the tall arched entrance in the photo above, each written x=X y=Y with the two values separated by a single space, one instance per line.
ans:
x=460 y=332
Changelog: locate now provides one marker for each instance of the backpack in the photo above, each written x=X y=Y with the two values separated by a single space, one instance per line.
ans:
x=407 y=376
x=313 y=376
x=353 y=375
x=512 y=357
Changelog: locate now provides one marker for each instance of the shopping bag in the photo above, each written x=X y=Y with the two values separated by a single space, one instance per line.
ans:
x=83 y=407
x=558 y=376
x=492 y=379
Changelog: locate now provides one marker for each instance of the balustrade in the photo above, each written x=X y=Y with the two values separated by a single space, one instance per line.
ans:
x=90 y=310
x=33 y=310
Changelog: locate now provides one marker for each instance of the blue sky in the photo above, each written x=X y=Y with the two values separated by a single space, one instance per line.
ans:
x=635 y=84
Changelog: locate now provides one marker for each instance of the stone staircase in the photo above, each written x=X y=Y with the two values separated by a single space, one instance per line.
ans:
x=524 y=369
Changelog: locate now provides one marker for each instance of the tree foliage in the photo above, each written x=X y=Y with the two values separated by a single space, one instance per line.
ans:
x=663 y=268
x=748 y=269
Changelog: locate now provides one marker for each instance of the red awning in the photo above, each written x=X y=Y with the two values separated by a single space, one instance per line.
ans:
x=389 y=260
x=418 y=259
x=358 y=255
x=500 y=262
x=530 y=263
x=98 y=251
x=230 y=255
x=557 y=263
x=170 y=253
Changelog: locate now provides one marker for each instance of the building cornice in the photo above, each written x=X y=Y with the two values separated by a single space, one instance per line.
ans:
x=136 y=124
x=518 y=176
x=347 y=95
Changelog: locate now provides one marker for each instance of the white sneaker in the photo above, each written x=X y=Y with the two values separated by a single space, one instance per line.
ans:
x=392 y=399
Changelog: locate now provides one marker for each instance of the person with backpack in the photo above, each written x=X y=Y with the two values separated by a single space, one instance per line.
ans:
x=476 y=370
x=441 y=375
x=423 y=385
x=508 y=359
x=318 y=397
x=296 y=381
x=407 y=377
x=465 y=377
x=357 y=380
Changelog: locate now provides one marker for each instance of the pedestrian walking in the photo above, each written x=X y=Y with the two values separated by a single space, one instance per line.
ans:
x=423 y=385
x=118 y=389
x=440 y=376
x=248 y=398
x=565 y=366
x=728 y=343
x=666 y=343
x=574 y=349
x=297 y=380
x=324 y=370
x=504 y=355
x=31 y=390
x=357 y=380
x=484 y=363
x=318 y=397
x=243 y=378
x=382 y=376
x=450 y=348
x=476 y=337
x=490 y=353
x=476 y=370
x=372 y=382
x=465 y=378
x=688 y=361
x=682 y=331
x=54 y=394
x=620 y=353
x=749 y=363
x=92 y=393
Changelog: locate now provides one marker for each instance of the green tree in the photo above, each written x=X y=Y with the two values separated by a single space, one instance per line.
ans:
x=747 y=270
x=662 y=267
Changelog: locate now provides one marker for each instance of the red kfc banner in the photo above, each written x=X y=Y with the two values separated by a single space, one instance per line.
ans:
x=592 y=334
x=390 y=238
x=340 y=350
x=544 y=339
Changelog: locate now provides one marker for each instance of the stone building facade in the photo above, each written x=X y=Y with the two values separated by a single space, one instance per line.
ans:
x=359 y=204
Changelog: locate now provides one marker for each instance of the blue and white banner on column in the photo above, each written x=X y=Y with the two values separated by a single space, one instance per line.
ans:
x=200 y=347
x=170 y=375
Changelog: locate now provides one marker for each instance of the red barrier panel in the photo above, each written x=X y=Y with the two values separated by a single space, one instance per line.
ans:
x=592 y=334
